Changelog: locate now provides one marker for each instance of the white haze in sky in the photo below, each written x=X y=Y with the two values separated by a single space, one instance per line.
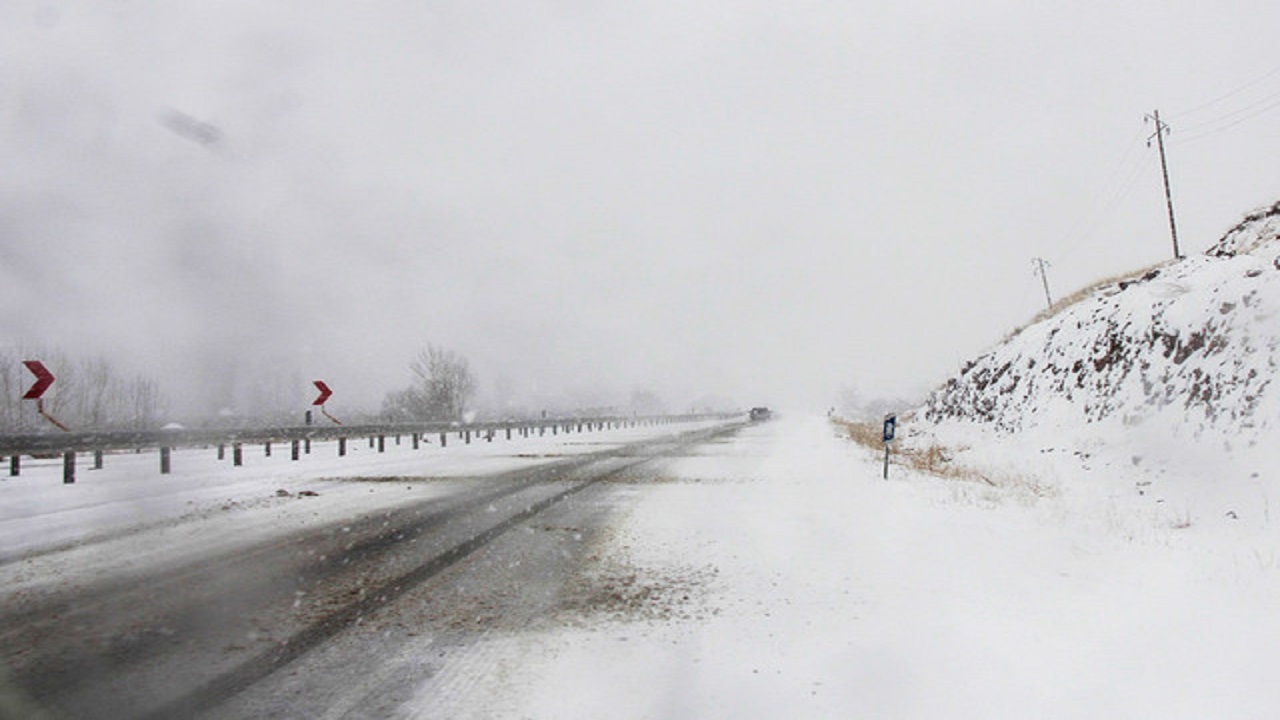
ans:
x=764 y=202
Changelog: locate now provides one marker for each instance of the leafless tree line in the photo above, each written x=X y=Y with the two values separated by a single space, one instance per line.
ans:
x=89 y=394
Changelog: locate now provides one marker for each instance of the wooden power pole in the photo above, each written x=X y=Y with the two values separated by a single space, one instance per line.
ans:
x=1041 y=264
x=1161 y=129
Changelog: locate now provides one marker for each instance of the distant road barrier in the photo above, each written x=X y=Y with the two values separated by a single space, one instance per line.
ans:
x=299 y=438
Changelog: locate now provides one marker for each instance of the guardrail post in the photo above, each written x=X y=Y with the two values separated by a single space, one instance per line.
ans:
x=382 y=443
x=444 y=440
x=467 y=435
x=306 y=445
x=164 y=460
x=222 y=451
x=373 y=442
x=97 y=459
x=294 y=450
x=68 y=467
x=15 y=465
x=342 y=447
x=416 y=439
x=490 y=437
x=508 y=432
x=237 y=454
x=267 y=447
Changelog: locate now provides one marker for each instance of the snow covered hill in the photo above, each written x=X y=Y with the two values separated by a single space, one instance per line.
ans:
x=1188 y=348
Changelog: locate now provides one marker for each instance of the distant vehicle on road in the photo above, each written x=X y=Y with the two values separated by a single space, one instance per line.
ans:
x=760 y=413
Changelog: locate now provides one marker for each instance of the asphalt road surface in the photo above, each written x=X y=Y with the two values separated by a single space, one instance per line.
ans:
x=349 y=620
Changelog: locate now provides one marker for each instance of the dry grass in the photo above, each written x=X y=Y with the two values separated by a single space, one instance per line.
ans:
x=864 y=433
x=939 y=462
x=934 y=459
x=1083 y=293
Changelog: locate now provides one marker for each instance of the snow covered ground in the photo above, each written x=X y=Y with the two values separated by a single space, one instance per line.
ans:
x=266 y=496
x=817 y=589
x=775 y=574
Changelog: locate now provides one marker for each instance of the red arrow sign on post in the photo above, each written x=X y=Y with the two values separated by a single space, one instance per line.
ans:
x=44 y=379
x=325 y=392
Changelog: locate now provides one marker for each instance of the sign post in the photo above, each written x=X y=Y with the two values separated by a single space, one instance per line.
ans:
x=325 y=392
x=890 y=429
x=44 y=379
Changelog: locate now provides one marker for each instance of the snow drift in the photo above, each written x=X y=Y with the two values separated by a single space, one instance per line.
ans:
x=1194 y=343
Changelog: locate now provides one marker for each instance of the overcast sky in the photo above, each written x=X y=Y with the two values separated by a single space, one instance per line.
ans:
x=763 y=201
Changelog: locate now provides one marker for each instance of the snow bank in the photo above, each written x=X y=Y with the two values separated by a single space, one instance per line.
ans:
x=1191 y=347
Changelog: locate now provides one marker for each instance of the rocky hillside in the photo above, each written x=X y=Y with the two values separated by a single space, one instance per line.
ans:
x=1195 y=342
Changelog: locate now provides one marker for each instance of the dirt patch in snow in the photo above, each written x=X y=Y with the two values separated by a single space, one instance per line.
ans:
x=627 y=479
x=390 y=479
x=613 y=589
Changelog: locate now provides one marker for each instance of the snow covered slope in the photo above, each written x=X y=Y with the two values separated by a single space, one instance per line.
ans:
x=1190 y=347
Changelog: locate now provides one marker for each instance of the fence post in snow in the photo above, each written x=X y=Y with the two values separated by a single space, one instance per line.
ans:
x=342 y=447
x=294 y=450
x=97 y=459
x=69 y=467
x=15 y=465
x=164 y=460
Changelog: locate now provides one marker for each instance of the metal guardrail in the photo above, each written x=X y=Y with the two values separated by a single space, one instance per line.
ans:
x=68 y=445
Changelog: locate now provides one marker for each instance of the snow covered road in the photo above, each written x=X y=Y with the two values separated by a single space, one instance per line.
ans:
x=159 y=614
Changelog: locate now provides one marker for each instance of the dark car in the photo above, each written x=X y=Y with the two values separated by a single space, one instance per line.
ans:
x=760 y=413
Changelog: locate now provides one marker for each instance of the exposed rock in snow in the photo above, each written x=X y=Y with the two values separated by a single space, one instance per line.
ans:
x=1195 y=342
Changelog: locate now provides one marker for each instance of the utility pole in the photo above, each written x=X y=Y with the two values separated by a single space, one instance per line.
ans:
x=1161 y=129
x=1041 y=264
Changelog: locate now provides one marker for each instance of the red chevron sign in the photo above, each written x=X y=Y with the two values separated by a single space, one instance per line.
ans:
x=44 y=379
x=325 y=392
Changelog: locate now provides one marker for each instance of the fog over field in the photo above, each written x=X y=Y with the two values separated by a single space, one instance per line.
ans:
x=755 y=202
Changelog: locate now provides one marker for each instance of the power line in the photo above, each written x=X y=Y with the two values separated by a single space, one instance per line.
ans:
x=1232 y=117
x=1116 y=189
x=1270 y=73
x=1274 y=103
x=1227 y=116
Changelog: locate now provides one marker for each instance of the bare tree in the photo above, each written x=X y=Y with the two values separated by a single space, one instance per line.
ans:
x=90 y=394
x=442 y=388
